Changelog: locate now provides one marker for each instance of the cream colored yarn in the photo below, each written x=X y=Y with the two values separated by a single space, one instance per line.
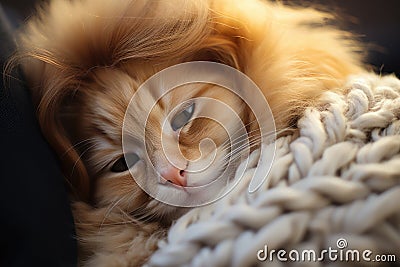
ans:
x=340 y=178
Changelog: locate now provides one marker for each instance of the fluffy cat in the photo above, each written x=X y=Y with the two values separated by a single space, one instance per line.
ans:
x=85 y=59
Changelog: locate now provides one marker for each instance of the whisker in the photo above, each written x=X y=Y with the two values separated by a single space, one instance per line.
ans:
x=239 y=150
x=252 y=143
x=244 y=126
x=80 y=156
x=78 y=144
x=110 y=208
x=250 y=135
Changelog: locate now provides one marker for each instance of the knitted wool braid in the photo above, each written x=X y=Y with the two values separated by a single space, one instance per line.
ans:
x=337 y=181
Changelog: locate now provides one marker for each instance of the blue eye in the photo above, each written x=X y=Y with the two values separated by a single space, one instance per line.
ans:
x=125 y=162
x=182 y=118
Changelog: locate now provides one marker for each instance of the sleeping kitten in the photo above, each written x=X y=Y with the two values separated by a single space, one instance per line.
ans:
x=85 y=59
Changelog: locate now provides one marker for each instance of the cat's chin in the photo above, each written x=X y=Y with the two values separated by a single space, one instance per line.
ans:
x=165 y=213
x=179 y=201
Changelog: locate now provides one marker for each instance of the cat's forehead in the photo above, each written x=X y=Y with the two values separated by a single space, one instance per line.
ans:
x=114 y=95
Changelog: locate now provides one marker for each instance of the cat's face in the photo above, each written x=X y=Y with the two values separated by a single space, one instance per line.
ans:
x=174 y=120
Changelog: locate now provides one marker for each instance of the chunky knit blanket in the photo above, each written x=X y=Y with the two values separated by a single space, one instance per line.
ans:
x=334 y=186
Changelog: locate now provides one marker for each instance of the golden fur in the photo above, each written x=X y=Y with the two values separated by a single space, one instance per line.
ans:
x=85 y=59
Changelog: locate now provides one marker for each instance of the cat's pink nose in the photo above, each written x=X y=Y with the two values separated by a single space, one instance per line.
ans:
x=174 y=175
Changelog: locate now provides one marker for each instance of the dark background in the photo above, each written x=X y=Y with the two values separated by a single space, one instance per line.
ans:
x=36 y=223
x=376 y=22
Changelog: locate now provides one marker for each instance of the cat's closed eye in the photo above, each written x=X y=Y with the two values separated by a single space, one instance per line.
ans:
x=125 y=162
x=182 y=118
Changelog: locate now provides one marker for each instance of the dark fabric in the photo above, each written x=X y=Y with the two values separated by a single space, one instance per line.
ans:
x=35 y=217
